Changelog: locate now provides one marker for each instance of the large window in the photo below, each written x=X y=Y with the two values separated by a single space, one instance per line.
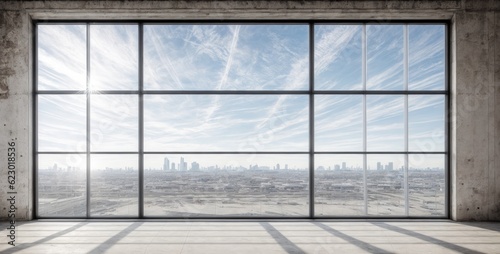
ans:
x=199 y=120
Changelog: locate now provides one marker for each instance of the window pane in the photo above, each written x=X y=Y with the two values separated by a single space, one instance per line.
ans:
x=338 y=122
x=426 y=123
x=339 y=185
x=338 y=57
x=62 y=124
x=226 y=122
x=385 y=184
x=384 y=57
x=114 y=57
x=62 y=60
x=227 y=185
x=226 y=57
x=114 y=183
x=385 y=122
x=62 y=185
x=426 y=57
x=114 y=123
x=426 y=183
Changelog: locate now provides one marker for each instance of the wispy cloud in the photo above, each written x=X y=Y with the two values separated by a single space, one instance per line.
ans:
x=62 y=57
x=114 y=122
x=426 y=57
x=385 y=123
x=246 y=57
x=384 y=57
x=339 y=123
x=337 y=57
x=61 y=122
x=237 y=122
x=114 y=57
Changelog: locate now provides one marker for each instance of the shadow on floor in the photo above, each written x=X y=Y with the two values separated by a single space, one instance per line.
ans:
x=363 y=245
x=24 y=246
x=103 y=247
x=426 y=238
x=284 y=242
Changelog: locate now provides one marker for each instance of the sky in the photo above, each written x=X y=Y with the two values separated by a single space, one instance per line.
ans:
x=242 y=57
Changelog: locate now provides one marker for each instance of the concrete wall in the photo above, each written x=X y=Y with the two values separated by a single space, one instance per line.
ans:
x=475 y=68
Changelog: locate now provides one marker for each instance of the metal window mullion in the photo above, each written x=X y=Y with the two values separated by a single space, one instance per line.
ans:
x=406 y=63
x=141 y=121
x=448 y=122
x=364 y=71
x=35 y=122
x=87 y=93
x=311 y=121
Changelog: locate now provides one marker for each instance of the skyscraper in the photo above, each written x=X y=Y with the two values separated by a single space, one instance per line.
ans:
x=195 y=166
x=166 y=164
x=182 y=165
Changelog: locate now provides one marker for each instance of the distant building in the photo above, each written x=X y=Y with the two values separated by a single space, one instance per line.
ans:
x=379 y=166
x=173 y=166
x=182 y=165
x=166 y=164
x=344 y=167
x=195 y=166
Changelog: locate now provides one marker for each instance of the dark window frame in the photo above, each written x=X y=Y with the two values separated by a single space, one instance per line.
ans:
x=311 y=92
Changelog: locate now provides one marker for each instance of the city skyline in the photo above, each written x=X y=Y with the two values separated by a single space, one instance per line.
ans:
x=322 y=163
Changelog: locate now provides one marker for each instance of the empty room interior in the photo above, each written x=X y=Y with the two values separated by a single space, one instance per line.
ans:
x=368 y=126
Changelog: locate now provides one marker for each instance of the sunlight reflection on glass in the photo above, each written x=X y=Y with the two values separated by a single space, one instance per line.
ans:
x=114 y=57
x=62 y=61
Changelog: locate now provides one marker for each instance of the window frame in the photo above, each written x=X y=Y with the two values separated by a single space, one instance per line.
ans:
x=311 y=92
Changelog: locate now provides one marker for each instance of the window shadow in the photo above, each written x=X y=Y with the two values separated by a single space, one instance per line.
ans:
x=284 y=242
x=426 y=238
x=363 y=245
x=24 y=246
x=103 y=247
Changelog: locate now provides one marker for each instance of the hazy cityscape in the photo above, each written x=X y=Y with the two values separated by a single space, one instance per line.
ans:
x=189 y=189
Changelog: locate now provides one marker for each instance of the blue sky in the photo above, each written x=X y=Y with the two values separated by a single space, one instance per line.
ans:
x=241 y=57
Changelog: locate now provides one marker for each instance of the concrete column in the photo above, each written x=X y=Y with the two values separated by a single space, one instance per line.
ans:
x=475 y=170
x=15 y=112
